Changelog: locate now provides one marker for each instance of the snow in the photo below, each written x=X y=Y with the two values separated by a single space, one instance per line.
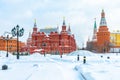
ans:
x=81 y=53
x=53 y=67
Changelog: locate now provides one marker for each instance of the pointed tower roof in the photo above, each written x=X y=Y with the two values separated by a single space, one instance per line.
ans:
x=95 y=30
x=95 y=25
x=63 y=26
x=69 y=28
x=29 y=39
x=63 y=20
x=35 y=25
x=29 y=35
x=103 y=20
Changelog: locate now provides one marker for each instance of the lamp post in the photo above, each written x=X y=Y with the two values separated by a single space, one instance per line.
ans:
x=7 y=46
x=7 y=38
x=113 y=43
x=19 y=33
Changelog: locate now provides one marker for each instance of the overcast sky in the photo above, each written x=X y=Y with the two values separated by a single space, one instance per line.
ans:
x=49 y=13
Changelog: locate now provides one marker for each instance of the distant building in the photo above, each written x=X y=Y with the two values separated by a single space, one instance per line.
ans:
x=51 y=41
x=115 y=41
x=115 y=38
x=12 y=44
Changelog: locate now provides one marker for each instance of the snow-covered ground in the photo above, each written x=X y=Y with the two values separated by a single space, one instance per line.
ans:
x=52 y=67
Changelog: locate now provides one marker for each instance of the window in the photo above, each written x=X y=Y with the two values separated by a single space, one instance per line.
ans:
x=43 y=44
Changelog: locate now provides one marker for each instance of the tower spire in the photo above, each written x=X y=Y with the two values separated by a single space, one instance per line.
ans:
x=69 y=28
x=103 y=20
x=95 y=26
x=35 y=25
x=63 y=20
x=63 y=26
x=29 y=35
x=95 y=30
x=103 y=13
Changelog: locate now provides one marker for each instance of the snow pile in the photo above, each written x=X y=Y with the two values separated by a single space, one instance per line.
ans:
x=81 y=53
x=3 y=54
x=99 y=71
x=35 y=55
x=106 y=67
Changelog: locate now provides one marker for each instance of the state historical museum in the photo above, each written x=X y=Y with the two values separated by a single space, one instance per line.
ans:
x=51 y=41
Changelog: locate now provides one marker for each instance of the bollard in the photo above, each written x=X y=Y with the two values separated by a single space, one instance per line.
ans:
x=84 y=59
x=101 y=56
x=4 y=67
x=78 y=57
x=60 y=56
x=108 y=57
x=44 y=54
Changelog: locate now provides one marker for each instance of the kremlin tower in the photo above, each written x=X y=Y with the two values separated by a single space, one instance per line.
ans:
x=103 y=35
x=101 y=38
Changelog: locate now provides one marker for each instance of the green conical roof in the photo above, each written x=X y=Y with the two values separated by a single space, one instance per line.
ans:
x=95 y=25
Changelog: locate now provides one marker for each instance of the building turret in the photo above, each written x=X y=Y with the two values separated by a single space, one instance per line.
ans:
x=103 y=20
x=34 y=34
x=35 y=27
x=69 y=29
x=94 y=31
x=63 y=26
x=29 y=39
x=29 y=35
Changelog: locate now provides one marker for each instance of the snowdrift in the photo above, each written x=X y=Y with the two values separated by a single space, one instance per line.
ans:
x=3 y=54
x=35 y=55
x=81 y=53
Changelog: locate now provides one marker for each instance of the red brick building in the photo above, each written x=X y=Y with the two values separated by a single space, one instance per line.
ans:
x=51 y=41
x=101 y=38
x=12 y=44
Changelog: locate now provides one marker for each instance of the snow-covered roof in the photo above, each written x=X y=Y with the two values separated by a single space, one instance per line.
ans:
x=49 y=30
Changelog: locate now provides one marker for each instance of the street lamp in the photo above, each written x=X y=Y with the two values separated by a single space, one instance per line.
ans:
x=19 y=33
x=7 y=46
x=7 y=38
